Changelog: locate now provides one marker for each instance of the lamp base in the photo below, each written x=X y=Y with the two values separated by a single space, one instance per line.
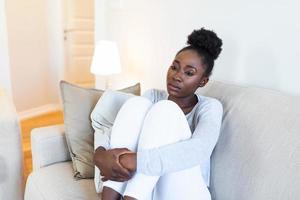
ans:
x=102 y=82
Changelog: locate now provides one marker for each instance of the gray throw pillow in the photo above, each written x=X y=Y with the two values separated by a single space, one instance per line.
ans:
x=78 y=103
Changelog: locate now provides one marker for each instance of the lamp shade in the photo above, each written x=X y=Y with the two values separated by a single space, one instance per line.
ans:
x=106 y=59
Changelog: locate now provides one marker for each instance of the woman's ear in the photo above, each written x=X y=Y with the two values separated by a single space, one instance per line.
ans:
x=203 y=81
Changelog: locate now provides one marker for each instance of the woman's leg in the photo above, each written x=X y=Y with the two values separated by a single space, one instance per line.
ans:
x=164 y=124
x=126 y=130
x=185 y=184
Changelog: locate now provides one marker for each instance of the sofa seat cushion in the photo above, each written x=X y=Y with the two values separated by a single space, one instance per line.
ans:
x=57 y=182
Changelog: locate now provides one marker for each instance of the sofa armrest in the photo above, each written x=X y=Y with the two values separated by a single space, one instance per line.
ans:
x=48 y=146
x=11 y=156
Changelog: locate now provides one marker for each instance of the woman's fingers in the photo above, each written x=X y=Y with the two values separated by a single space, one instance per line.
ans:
x=118 y=169
x=120 y=176
x=111 y=169
x=104 y=179
x=122 y=151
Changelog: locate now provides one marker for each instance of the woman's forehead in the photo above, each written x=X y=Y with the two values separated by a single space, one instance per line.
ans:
x=189 y=57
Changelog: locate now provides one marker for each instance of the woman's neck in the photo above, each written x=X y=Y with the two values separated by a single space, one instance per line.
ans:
x=185 y=103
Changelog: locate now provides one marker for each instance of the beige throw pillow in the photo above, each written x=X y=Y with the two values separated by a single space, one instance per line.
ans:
x=78 y=104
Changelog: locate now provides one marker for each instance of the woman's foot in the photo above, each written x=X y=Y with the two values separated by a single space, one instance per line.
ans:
x=110 y=194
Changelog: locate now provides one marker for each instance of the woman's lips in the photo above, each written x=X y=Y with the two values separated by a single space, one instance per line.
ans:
x=173 y=87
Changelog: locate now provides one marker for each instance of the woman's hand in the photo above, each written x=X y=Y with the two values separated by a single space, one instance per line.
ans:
x=108 y=163
x=128 y=161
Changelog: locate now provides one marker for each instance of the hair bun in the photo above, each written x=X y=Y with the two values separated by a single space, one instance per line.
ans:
x=206 y=40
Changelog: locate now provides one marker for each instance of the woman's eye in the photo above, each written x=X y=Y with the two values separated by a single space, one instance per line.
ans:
x=189 y=73
x=173 y=67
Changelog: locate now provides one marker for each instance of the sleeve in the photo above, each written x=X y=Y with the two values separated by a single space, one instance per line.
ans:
x=149 y=94
x=188 y=153
x=104 y=114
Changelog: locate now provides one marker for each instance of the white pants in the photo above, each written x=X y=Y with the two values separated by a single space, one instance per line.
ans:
x=141 y=125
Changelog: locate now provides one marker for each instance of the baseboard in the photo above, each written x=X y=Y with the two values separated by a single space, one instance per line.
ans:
x=39 y=111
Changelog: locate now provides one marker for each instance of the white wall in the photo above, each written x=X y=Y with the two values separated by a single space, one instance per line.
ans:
x=261 y=38
x=33 y=65
x=4 y=58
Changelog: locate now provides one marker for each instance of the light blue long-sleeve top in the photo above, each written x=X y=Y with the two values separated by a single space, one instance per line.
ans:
x=204 y=121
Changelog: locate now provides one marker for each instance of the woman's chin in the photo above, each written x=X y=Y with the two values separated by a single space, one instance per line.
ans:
x=173 y=93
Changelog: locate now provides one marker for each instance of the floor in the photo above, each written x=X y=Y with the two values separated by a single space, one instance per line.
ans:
x=27 y=125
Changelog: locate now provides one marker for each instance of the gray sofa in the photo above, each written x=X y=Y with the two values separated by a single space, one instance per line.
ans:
x=257 y=156
x=11 y=156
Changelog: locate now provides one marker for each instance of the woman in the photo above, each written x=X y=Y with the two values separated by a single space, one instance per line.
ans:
x=160 y=143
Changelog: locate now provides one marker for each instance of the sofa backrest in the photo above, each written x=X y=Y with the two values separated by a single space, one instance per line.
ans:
x=257 y=156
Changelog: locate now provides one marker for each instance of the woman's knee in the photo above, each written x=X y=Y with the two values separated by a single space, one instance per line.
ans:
x=137 y=102
x=135 y=106
x=165 y=123
x=166 y=108
x=128 y=123
x=132 y=113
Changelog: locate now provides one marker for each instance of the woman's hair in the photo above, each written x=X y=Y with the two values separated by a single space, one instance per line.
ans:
x=207 y=44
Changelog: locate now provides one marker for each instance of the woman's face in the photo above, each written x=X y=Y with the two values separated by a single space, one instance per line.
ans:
x=186 y=74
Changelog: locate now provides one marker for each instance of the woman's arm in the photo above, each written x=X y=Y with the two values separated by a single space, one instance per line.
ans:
x=188 y=153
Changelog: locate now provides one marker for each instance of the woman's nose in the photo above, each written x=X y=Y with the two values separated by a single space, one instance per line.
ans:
x=177 y=77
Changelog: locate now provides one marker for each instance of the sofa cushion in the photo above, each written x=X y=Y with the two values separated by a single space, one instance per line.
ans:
x=57 y=182
x=258 y=152
x=78 y=104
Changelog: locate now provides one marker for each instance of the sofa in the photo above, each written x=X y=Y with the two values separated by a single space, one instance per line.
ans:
x=11 y=156
x=257 y=156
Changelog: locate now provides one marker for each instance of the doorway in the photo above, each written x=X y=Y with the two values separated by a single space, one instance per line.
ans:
x=78 y=41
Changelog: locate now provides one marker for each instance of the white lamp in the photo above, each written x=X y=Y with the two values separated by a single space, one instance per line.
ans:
x=106 y=60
